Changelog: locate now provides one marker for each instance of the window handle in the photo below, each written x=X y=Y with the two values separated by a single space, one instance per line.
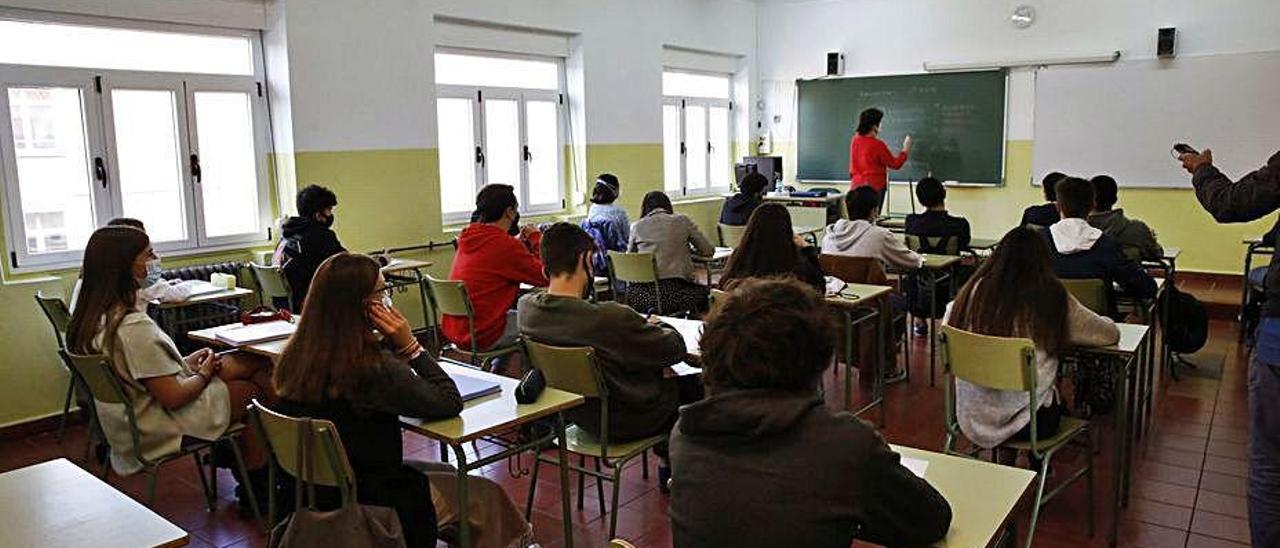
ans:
x=480 y=156
x=683 y=150
x=708 y=147
x=100 y=170
x=195 y=167
x=528 y=156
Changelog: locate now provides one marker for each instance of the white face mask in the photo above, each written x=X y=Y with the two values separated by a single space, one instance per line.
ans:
x=153 y=271
x=386 y=300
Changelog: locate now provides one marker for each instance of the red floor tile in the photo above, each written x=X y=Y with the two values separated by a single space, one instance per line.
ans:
x=1222 y=483
x=1218 y=503
x=1220 y=526
x=1196 y=540
x=1228 y=466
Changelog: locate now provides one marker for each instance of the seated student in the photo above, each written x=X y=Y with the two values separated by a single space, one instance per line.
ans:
x=738 y=208
x=770 y=247
x=494 y=257
x=762 y=462
x=673 y=239
x=154 y=287
x=633 y=353
x=859 y=236
x=174 y=396
x=1082 y=251
x=935 y=221
x=1015 y=293
x=1138 y=240
x=353 y=360
x=1047 y=213
x=607 y=223
x=306 y=241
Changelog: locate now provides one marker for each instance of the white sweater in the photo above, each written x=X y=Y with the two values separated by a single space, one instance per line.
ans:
x=860 y=238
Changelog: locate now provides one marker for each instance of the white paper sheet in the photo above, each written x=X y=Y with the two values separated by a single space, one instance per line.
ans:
x=916 y=466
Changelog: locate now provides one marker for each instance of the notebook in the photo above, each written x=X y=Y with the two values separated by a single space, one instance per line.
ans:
x=197 y=288
x=471 y=388
x=257 y=333
x=916 y=466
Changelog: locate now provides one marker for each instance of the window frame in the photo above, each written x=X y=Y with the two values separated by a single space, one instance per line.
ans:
x=95 y=86
x=477 y=95
x=682 y=102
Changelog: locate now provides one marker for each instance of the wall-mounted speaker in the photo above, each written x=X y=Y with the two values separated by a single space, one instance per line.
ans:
x=835 y=64
x=1166 y=41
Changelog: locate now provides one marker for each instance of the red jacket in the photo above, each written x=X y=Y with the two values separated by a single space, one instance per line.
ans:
x=870 y=161
x=491 y=264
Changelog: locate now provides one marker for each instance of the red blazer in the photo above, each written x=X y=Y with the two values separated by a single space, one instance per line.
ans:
x=491 y=264
x=870 y=161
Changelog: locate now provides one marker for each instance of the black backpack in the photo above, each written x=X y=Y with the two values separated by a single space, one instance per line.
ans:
x=1187 y=326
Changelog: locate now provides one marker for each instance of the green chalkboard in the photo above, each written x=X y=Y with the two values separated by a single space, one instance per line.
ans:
x=956 y=120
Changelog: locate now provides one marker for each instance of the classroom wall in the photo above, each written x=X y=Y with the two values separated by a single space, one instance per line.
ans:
x=351 y=92
x=895 y=37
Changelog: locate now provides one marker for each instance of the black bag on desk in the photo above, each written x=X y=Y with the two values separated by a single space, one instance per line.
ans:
x=1187 y=326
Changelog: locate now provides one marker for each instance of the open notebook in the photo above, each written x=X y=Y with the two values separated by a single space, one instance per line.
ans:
x=196 y=288
x=257 y=333
x=471 y=388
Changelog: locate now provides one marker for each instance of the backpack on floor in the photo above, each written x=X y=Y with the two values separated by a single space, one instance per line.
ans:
x=1187 y=326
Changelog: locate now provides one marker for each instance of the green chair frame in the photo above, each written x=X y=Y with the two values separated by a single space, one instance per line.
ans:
x=1000 y=363
x=730 y=235
x=55 y=309
x=949 y=244
x=271 y=282
x=450 y=298
x=575 y=370
x=636 y=268
x=291 y=441
x=105 y=386
x=1093 y=293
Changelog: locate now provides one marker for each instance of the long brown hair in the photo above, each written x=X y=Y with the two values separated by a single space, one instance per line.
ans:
x=767 y=247
x=331 y=353
x=1015 y=293
x=108 y=290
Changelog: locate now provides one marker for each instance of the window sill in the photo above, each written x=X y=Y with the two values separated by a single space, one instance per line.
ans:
x=698 y=199
x=40 y=273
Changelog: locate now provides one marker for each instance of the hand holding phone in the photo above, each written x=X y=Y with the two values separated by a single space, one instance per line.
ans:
x=391 y=323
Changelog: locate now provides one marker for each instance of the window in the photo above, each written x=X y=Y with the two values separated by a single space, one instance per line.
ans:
x=695 y=133
x=499 y=120
x=178 y=141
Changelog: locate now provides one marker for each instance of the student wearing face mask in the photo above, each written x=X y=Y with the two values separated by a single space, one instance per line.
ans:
x=633 y=353
x=307 y=240
x=154 y=287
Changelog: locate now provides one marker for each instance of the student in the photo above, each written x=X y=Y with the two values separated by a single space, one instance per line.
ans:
x=858 y=236
x=1047 y=213
x=1138 y=240
x=672 y=238
x=154 y=287
x=174 y=396
x=632 y=353
x=607 y=223
x=1015 y=293
x=770 y=247
x=762 y=462
x=1082 y=251
x=306 y=241
x=935 y=221
x=494 y=257
x=738 y=208
x=353 y=360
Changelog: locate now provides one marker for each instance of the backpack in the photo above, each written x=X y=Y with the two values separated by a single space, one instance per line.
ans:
x=1187 y=327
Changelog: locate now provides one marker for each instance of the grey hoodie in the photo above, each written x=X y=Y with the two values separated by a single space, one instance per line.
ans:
x=1138 y=239
x=860 y=238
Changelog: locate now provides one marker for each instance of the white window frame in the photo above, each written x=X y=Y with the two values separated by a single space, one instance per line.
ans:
x=95 y=86
x=681 y=103
x=477 y=96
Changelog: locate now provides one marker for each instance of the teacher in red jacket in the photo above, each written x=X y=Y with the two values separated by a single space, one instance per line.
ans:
x=869 y=158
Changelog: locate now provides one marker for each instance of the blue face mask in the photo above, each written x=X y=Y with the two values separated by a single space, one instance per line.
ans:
x=153 y=272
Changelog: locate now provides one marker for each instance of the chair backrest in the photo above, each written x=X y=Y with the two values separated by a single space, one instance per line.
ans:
x=55 y=309
x=450 y=297
x=633 y=268
x=730 y=235
x=807 y=216
x=569 y=368
x=855 y=270
x=938 y=245
x=1092 y=293
x=271 y=282
x=99 y=376
x=327 y=462
x=998 y=363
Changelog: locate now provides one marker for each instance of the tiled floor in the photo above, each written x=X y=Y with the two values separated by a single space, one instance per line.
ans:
x=1188 y=490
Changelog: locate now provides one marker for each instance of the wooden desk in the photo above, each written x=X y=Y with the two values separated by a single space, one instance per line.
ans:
x=718 y=257
x=174 y=318
x=56 y=503
x=396 y=266
x=983 y=243
x=269 y=349
x=496 y=413
x=1171 y=253
x=982 y=494
x=860 y=303
x=233 y=294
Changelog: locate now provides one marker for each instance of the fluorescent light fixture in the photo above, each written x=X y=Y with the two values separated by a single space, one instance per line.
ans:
x=993 y=65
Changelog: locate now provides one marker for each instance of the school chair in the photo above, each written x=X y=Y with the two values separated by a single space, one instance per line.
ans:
x=1093 y=293
x=574 y=369
x=865 y=270
x=936 y=245
x=620 y=543
x=1009 y=364
x=55 y=310
x=450 y=298
x=309 y=450
x=730 y=235
x=637 y=268
x=272 y=285
x=104 y=386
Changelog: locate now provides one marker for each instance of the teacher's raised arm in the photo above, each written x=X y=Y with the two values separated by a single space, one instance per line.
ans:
x=869 y=158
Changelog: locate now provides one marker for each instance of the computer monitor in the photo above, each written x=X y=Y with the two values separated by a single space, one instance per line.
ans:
x=769 y=166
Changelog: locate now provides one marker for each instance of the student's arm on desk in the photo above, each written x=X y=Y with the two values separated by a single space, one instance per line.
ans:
x=630 y=340
x=1085 y=328
x=1253 y=196
x=898 y=507
x=419 y=389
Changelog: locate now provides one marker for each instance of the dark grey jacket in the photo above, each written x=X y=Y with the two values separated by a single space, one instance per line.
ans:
x=768 y=468
x=1254 y=196
x=1138 y=240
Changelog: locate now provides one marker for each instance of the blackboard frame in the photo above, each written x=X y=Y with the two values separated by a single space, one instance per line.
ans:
x=1001 y=163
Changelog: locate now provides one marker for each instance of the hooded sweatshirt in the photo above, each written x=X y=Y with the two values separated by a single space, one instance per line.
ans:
x=738 y=208
x=860 y=238
x=1081 y=251
x=491 y=264
x=304 y=244
x=1137 y=239
x=770 y=468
